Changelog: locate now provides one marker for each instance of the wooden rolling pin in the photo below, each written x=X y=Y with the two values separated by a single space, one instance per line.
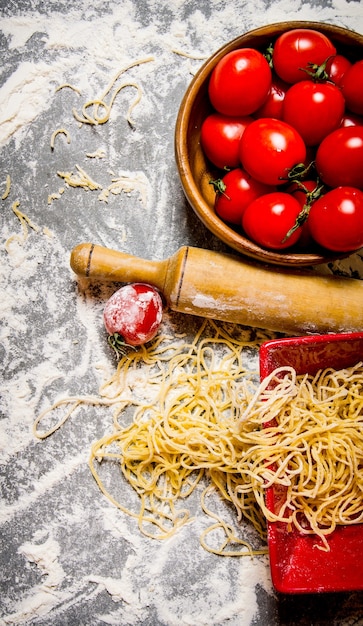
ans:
x=224 y=287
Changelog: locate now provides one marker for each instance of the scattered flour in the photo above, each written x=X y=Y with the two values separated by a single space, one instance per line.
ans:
x=26 y=93
x=46 y=594
x=51 y=338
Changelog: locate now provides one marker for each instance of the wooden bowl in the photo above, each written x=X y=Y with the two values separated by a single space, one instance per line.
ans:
x=196 y=171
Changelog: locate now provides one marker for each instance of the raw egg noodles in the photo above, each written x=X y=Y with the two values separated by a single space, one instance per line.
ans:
x=201 y=422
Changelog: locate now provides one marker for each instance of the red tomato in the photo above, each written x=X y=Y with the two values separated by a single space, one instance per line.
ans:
x=314 y=109
x=239 y=191
x=268 y=219
x=339 y=157
x=336 y=67
x=295 y=50
x=272 y=107
x=352 y=87
x=336 y=220
x=350 y=119
x=133 y=315
x=240 y=82
x=220 y=136
x=269 y=148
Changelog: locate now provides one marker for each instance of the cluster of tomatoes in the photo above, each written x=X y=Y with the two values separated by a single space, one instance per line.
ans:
x=286 y=132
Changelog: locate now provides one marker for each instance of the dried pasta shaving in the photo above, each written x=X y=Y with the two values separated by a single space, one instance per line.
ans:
x=98 y=154
x=68 y=86
x=25 y=221
x=82 y=180
x=126 y=183
x=189 y=55
x=7 y=187
x=122 y=71
x=47 y=232
x=55 y=195
x=85 y=118
x=59 y=131
x=97 y=105
x=101 y=110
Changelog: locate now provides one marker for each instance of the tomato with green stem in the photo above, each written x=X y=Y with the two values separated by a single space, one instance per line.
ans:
x=270 y=149
x=269 y=218
x=297 y=50
x=132 y=315
x=235 y=191
x=336 y=219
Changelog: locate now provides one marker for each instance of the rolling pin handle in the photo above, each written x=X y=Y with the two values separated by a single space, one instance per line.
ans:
x=99 y=263
x=81 y=257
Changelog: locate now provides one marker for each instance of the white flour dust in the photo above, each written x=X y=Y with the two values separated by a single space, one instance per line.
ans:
x=81 y=48
x=44 y=595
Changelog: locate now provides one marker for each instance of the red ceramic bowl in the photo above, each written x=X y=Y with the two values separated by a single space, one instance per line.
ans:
x=297 y=566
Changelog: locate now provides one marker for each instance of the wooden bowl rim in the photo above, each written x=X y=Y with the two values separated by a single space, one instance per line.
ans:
x=208 y=217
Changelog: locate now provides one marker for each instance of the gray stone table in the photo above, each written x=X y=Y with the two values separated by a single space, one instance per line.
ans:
x=68 y=556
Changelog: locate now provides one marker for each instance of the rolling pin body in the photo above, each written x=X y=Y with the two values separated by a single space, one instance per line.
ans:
x=224 y=287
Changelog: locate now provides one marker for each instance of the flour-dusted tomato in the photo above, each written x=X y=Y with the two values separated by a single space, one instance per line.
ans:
x=297 y=50
x=269 y=218
x=352 y=87
x=314 y=109
x=240 y=82
x=132 y=315
x=269 y=149
x=336 y=220
x=220 y=136
x=239 y=190
x=339 y=157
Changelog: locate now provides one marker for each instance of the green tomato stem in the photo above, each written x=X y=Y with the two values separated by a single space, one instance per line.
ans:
x=219 y=186
x=118 y=344
x=311 y=197
x=317 y=72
